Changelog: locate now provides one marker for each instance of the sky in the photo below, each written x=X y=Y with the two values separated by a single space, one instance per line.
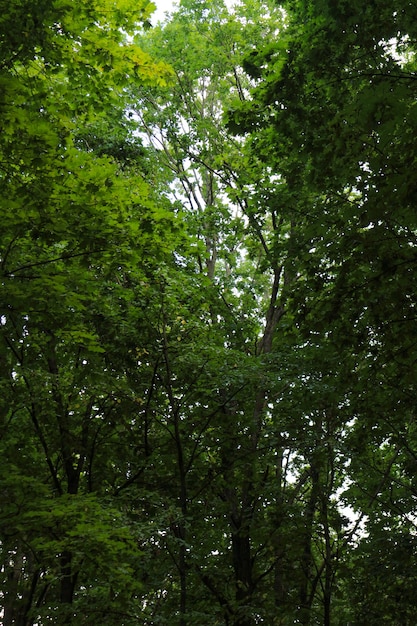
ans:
x=161 y=7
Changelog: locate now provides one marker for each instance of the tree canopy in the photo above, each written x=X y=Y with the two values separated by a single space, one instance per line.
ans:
x=207 y=319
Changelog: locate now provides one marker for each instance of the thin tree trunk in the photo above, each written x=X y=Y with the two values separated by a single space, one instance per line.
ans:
x=307 y=558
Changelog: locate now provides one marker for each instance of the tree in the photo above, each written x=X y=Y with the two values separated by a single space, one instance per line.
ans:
x=332 y=112
x=208 y=315
x=234 y=208
x=76 y=224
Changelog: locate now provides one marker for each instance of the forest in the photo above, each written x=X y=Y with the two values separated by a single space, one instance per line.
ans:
x=208 y=313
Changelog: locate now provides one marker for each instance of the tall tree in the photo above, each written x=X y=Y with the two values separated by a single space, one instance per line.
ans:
x=265 y=472
x=335 y=112
x=207 y=317
x=75 y=225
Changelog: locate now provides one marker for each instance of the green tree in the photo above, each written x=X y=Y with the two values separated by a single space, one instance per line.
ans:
x=76 y=224
x=333 y=114
x=265 y=475
x=207 y=314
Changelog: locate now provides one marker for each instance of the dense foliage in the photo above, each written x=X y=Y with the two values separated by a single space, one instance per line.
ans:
x=207 y=319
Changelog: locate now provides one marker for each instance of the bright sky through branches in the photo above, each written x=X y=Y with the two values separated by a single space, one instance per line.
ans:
x=162 y=7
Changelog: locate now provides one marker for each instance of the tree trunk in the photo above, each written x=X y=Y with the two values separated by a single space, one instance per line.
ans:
x=307 y=557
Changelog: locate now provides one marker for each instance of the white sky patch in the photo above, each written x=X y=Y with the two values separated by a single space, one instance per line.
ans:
x=162 y=7
x=167 y=6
